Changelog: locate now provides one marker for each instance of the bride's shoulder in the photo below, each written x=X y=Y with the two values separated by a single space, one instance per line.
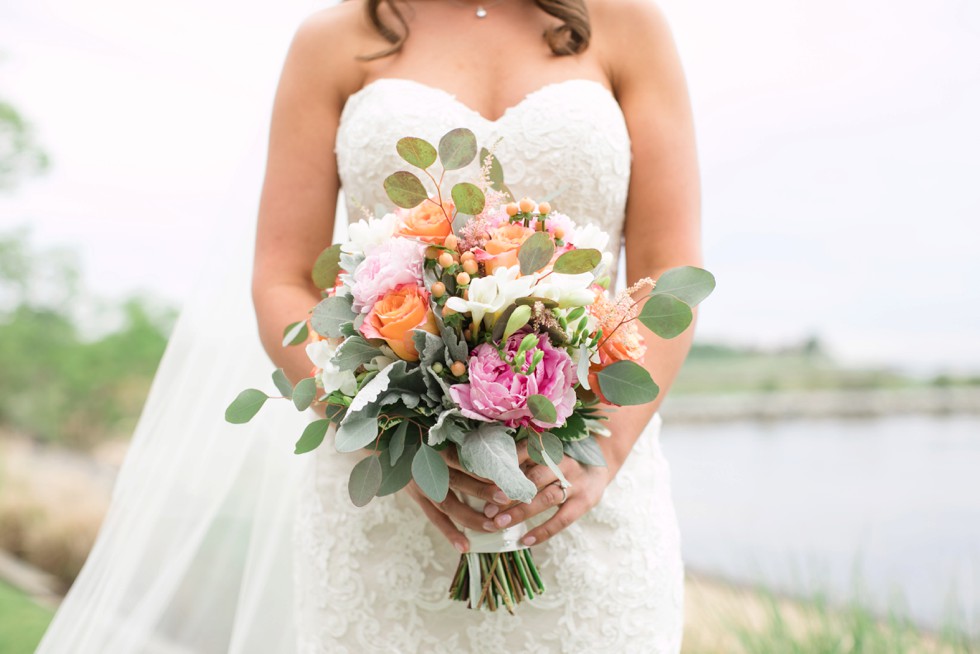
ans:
x=330 y=41
x=634 y=41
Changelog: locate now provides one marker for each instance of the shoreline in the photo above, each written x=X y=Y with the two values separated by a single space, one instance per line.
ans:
x=820 y=405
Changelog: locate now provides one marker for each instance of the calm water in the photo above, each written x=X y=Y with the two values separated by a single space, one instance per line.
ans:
x=887 y=506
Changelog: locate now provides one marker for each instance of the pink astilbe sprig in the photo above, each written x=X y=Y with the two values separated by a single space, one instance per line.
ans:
x=621 y=340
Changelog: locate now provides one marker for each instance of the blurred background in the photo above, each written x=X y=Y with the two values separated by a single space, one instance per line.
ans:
x=825 y=434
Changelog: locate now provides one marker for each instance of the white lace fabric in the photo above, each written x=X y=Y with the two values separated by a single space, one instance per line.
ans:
x=376 y=579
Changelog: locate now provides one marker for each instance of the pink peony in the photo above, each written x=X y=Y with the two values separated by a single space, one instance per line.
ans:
x=395 y=262
x=495 y=392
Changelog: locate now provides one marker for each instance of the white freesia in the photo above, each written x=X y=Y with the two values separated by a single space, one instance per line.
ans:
x=566 y=290
x=364 y=236
x=590 y=236
x=330 y=376
x=493 y=293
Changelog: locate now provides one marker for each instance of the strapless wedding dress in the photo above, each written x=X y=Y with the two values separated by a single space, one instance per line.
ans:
x=375 y=579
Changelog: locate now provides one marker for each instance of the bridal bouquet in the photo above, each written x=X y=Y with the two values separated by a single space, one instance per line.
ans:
x=470 y=321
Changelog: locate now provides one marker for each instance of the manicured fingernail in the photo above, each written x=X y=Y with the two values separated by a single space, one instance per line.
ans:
x=503 y=520
x=529 y=540
x=491 y=510
x=460 y=548
x=488 y=526
x=500 y=498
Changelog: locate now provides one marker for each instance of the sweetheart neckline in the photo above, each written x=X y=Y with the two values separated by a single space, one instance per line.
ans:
x=510 y=110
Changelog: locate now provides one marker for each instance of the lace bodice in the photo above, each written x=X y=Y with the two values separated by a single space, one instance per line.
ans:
x=375 y=579
x=565 y=142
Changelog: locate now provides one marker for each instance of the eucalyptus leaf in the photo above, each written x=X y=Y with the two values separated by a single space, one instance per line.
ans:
x=405 y=189
x=365 y=481
x=542 y=409
x=457 y=148
x=244 y=407
x=330 y=314
x=396 y=446
x=395 y=476
x=538 y=444
x=627 y=383
x=496 y=170
x=327 y=267
x=490 y=452
x=665 y=315
x=468 y=198
x=295 y=333
x=575 y=262
x=585 y=451
x=356 y=433
x=312 y=436
x=687 y=283
x=430 y=472
x=536 y=252
x=283 y=384
x=304 y=393
x=418 y=152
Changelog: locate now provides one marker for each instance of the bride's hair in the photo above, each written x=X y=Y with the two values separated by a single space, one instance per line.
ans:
x=571 y=37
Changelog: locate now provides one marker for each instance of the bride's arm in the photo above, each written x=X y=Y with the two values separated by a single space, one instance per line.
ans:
x=662 y=230
x=299 y=194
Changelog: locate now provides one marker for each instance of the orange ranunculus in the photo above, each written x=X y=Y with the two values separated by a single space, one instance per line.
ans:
x=427 y=222
x=396 y=315
x=504 y=243
x=623 y=344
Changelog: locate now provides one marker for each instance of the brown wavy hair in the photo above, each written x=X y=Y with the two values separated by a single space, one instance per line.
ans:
x=571 y=37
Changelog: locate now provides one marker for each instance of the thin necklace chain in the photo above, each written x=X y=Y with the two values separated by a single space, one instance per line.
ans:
x=480 y=8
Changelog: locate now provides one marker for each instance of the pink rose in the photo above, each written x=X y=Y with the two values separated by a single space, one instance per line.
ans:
x=495 y=392
x=394 y=263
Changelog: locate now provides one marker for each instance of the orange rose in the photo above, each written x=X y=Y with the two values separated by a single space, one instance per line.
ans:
x=624 y=344
x=427 y=222
x=396 y=315
x=504 y=243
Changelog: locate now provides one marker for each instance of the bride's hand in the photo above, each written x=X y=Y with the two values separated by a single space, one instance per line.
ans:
x=588 y=483
x=452 y=511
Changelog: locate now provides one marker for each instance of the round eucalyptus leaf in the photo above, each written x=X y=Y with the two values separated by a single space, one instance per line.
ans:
x=687 y=283
x=312 y=436
x=468 y=198
x=536 y=252
x=665 y=315
x=542 y=409
x=430 y=472
x=331 y=314
x=244 y=407
x=545 y=442
x=304 y=393
x=627 y=383
x=457 y=148
x=282 y=383
x=365 y=481
x=574 y=262
x=327 y=267
x=405 y=189
x=496 y=170
x=418 y=152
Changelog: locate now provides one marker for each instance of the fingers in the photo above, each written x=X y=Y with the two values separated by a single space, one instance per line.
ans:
x=540 y=475
x=461 y=513
x=549 y=496
x=470 y=485
x=568 y=513
x=439 y=519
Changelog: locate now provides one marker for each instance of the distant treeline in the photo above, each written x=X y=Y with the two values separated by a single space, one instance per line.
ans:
x=56 y=383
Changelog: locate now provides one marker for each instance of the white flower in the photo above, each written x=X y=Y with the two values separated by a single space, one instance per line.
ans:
x=566 y=290
x=330 y=376
x=493 y=293
x=380 y=362
x=364 y=236
x=590 y=236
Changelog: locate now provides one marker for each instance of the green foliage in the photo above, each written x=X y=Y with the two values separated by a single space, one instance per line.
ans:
x=405 y=189
x=626 y=383
x=56 y=384
x=430 y=472
x=20 y=155
x=327 y=267
x=574 y=262
x=535 y=253
x=244 y=407
x=457 y=148
x=416 y=151
x=22 y=622
x=469 y=199
x=666 y=316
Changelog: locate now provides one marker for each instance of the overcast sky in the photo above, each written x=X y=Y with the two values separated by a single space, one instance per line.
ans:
x=839 y=145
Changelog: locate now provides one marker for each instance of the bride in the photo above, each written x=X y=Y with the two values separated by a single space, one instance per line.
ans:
x=217 y=541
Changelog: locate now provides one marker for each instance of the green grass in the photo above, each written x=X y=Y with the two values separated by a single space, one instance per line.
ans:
x=22 y=622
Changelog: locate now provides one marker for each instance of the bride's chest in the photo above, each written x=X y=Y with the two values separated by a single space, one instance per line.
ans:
x=565 y=142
